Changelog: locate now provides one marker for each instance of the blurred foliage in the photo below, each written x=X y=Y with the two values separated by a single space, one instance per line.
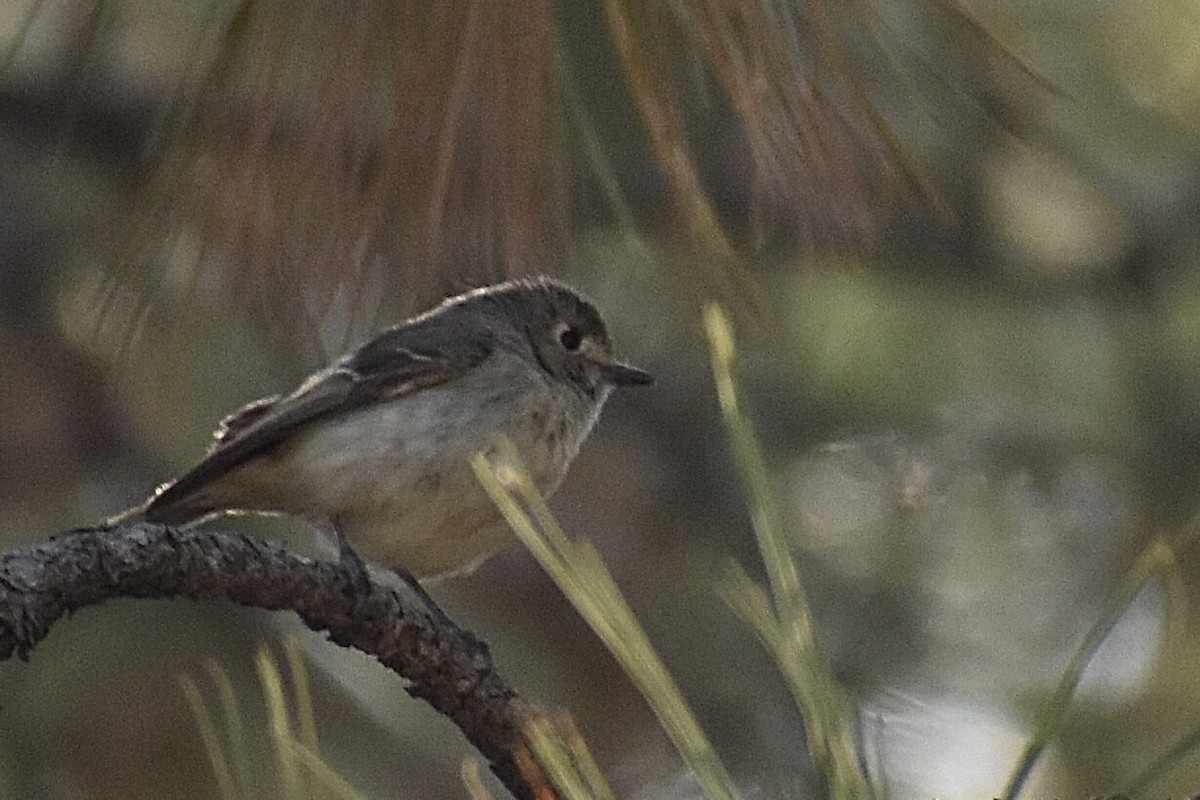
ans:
x=960 y=240
x=294 y=769
x=783 y=618
x=580 y=574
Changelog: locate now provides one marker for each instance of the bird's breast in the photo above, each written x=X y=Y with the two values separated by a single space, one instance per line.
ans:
x=397 y=477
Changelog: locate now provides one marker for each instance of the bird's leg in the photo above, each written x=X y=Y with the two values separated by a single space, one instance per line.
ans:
x=431 y=606
x=353 y=564
x=350 y=560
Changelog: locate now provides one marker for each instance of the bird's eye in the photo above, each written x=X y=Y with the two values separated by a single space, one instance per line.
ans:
x=570 y=339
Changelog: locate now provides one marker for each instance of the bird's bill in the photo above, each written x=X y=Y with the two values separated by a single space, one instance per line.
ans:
x=620 y=374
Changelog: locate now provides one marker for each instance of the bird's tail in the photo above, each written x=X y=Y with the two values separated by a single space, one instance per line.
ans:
x=163 y=509
x=127 y=517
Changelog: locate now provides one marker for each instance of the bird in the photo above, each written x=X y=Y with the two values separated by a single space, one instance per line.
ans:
x=375 y=448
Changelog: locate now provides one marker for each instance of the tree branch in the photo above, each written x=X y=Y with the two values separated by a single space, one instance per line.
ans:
x=446 y=666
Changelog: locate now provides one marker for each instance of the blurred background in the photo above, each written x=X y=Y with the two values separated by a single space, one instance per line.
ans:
x=959 y=242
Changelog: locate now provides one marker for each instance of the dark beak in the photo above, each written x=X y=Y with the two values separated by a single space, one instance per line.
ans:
x=619 y=374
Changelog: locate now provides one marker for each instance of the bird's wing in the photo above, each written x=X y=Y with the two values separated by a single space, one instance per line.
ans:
x=403 y=360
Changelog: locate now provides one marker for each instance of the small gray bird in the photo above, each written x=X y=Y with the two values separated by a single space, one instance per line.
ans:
x=377 y=446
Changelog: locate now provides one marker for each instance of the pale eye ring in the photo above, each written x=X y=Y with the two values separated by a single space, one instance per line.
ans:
x=570 y=338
